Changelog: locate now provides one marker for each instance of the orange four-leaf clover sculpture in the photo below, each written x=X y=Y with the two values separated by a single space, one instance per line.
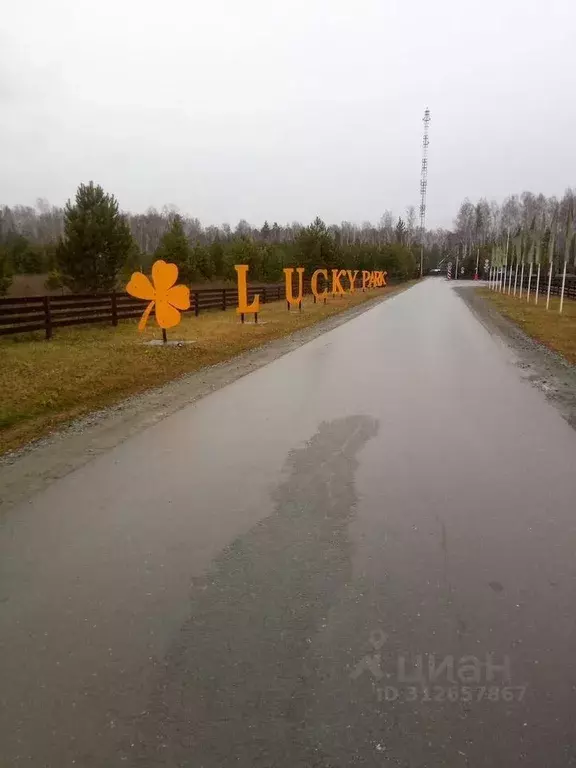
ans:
x=170 y=299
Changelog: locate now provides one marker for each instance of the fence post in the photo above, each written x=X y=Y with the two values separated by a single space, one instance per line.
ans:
x=114 y=309
x=562 y=289
x=549 y=284
x=223 y=299
x=196 y=304
x=47 y=317
x=263 y=295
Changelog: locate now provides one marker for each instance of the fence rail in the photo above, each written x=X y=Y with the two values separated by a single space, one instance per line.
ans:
x=555 y=286
x=45 y=313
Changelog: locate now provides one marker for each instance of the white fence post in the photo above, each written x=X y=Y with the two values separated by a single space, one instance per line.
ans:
x=529 y=284
x=549 y=286
x=563 y=286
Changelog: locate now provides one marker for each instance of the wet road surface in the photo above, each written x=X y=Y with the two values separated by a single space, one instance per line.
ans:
x=362 y=554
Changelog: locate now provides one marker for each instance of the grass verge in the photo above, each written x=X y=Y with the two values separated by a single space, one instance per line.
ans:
x=44 y=384
x=557 y=332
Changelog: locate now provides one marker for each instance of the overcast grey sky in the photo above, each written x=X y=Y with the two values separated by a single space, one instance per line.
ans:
x=261 y=109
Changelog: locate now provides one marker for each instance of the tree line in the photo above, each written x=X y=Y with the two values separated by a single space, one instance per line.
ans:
x=91 y=245
x=524 y=229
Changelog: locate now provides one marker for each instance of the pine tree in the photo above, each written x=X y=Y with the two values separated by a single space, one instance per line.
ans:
x=243 y=250
x=316 y=247
x=96 y=241
x=400 y=231
x=133 y=262
x=201 y=263
x=25 y=257
x=276 y=232
x=5 y=271
x=217 y=258
x=175 y=248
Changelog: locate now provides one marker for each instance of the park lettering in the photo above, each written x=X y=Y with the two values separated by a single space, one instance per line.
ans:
x=322 y=283
x=169 y=300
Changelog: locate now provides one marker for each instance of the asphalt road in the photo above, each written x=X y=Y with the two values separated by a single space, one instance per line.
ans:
x=363 y=553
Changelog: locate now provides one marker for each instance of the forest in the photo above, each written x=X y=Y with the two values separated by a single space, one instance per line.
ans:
x=91 y=244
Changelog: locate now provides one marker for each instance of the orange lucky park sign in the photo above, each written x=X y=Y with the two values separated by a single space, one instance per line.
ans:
x=339 y=282
x=169 y=299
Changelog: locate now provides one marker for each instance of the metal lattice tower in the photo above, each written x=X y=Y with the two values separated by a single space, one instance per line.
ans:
x=424 y=185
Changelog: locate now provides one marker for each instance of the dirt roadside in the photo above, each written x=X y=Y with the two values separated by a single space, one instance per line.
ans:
x=27 y=471
x=543 y=368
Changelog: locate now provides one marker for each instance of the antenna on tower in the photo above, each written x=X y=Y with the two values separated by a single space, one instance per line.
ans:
x=423 y=186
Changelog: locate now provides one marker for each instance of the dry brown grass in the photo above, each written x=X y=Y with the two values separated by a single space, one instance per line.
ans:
x=45 y=384
x=558 y=332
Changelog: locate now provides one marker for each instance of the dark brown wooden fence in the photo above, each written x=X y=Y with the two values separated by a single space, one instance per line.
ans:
x=45 y=313
x=555 y=287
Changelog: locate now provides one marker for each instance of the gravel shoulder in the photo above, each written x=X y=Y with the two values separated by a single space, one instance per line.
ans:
x=544 y=369
x=29 y=470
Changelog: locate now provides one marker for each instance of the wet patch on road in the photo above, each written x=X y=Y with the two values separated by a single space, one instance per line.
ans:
x=234 y=688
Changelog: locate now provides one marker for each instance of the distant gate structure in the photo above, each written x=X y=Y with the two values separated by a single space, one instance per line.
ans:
x=449 y=272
